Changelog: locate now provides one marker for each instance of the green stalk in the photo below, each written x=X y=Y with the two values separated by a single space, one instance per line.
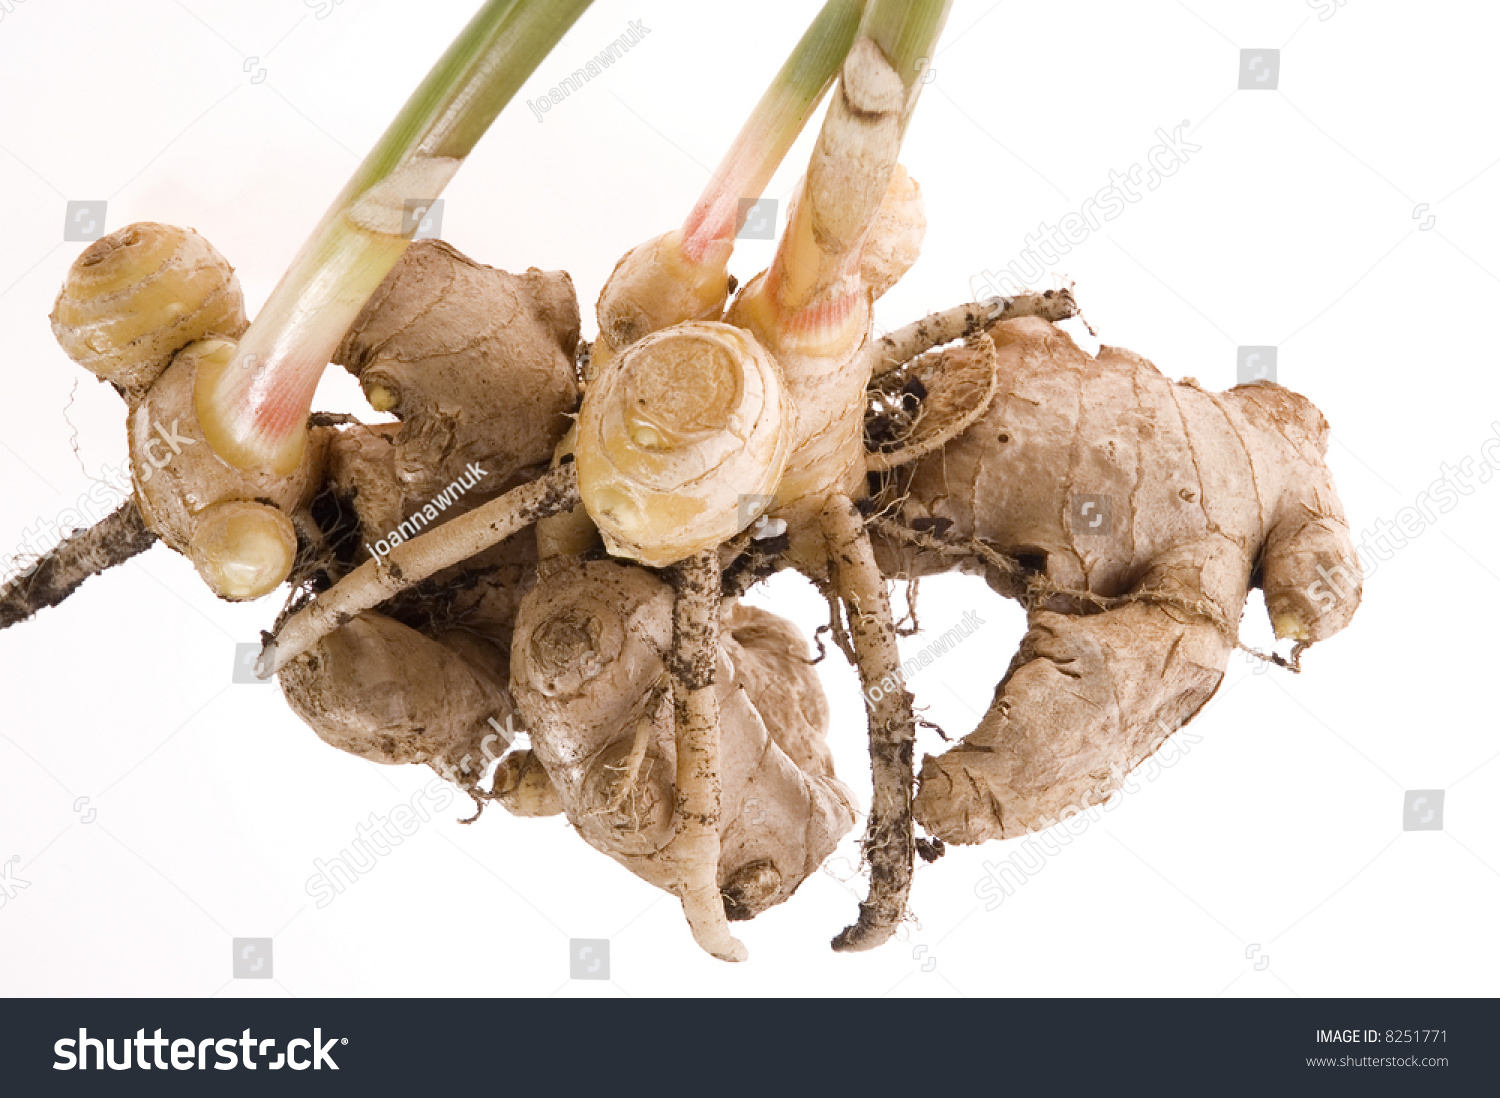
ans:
x=254 y=410
x=771 y=129
x=907 y=32
x=813 y=278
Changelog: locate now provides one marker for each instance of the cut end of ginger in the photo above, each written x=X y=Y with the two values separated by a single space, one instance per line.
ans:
x=1290 y=626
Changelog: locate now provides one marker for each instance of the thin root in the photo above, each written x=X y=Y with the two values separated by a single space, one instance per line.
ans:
x=889 y=843
x=835 y=628
x=895 y=350
x=84 y=553
x=948 y=396
x=630 y=772
x=909 y=626
x=695 y=710
x=413 y=561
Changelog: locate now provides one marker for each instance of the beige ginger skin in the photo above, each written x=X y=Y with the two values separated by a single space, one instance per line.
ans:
x=706 y=444
x=1129 y=630
x=1209 y=494
x=589 y=669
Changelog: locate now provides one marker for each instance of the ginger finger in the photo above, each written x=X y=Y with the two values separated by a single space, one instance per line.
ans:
x=383 y=691
x=676 y=437
x=235 y=525
x=136 y=297
x=1096 y=484
x=153 y=309
x=477 y=364
x=1087 y=699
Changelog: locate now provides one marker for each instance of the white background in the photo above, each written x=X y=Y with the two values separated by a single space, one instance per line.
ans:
x=1278 y=827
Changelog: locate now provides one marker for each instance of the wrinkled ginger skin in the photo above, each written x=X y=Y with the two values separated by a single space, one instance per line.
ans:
x=383 y=691
x=589 y=675
x=477 y=363
x=1208 y=494
x=774 y=668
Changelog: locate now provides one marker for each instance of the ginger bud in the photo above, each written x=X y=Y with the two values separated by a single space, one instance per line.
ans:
x=654 y=286
x=1290 y=626
x=681 y=441
x=895 y=239
x=243 y=550
x=136 y=297
x=523 y=787
x=181 y=485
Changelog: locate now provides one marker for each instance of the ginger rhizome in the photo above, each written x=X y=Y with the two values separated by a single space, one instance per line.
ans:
x=152 y=309
x=555 y=537
x=1130 y=624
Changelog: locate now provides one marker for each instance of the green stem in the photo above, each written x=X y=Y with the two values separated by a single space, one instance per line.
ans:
x=813 y=282
x=906 y=31
x=254 y=411
x=771 y=129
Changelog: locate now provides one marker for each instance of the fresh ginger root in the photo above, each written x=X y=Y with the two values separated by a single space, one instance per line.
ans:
x=1197 y=497
x=1144 y=613
x=680 y=444
x=411 y=691
x=707 y=444
x=1130 y=631
x=590 y=670
x=656 y=464
x=152 y=309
